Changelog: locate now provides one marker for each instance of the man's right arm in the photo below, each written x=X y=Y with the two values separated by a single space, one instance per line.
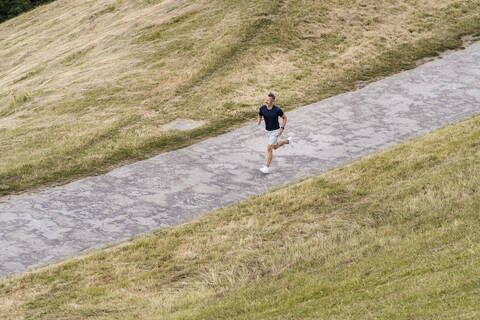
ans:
x=259 y=117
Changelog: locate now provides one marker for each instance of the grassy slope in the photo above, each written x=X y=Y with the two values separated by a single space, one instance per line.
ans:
x=390 y=236
x=85 y=85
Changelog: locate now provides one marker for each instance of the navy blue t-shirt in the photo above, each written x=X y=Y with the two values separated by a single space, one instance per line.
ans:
x=271 y=117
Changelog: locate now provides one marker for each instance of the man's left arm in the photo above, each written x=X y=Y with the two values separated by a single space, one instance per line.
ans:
x=284 y=117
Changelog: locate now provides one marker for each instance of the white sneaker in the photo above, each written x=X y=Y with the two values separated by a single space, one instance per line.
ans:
x=265 y=169
x=290 y=142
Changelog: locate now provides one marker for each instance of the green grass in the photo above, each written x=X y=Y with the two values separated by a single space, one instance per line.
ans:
x=148 y=63
x=393 y=235
x=74 y=57
x=17 y=100
x=169 y=29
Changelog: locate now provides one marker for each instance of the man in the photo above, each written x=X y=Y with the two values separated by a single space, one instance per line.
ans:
x=270 y=113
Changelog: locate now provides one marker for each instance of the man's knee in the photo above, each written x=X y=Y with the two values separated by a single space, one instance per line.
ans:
x=270 y=148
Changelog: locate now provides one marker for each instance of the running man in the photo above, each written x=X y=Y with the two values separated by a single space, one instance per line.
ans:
x=270 y=113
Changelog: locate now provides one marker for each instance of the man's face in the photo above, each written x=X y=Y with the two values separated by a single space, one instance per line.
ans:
x=269 y=101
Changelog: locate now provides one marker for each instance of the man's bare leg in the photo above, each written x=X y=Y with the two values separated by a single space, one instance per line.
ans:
x=269 y=155
x=270 y=151
x=280 y=143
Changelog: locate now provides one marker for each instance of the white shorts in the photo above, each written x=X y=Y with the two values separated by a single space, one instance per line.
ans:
x=272 y=136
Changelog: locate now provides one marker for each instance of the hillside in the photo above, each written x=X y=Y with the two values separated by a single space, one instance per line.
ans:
x=88 y=85
x=390 y=236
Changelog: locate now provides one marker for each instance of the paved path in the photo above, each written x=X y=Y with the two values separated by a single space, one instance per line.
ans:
x=175 y=186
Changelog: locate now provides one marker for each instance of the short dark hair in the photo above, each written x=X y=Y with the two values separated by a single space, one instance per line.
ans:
x=271 y=95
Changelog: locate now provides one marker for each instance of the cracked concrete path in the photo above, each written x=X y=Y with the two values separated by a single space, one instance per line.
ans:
x=175 y=186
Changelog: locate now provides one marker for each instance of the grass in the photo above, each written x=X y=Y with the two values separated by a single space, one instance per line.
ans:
x=17 y=100
x=108 y=74
x=75 y=56
x=29 y=74
x=389 y=236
